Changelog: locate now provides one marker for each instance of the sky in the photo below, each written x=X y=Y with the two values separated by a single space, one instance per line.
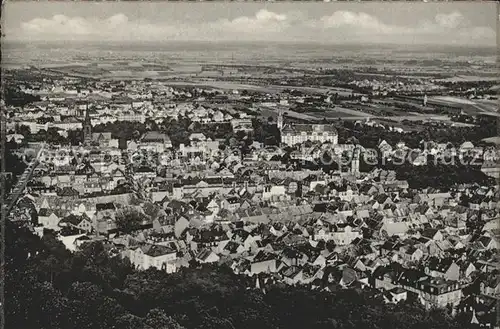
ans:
x=464 y=23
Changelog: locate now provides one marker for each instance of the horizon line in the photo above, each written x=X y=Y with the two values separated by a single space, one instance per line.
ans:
x=290 y=42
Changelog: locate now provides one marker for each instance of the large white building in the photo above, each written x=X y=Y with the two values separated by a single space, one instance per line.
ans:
x=299 y=133
x=155 y=141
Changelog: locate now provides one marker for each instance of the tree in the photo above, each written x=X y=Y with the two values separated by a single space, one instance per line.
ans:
x=330 y=245
x=18 y=98
x=25 y=131
x=130 y=321
x=93 y=290
x=158 y=319
x=75 y=137
x=129 y=219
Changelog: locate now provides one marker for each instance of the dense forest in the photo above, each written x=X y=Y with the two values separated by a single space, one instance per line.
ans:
x=49 y=287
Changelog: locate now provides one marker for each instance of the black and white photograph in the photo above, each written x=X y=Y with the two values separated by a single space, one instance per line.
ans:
x=250 y=165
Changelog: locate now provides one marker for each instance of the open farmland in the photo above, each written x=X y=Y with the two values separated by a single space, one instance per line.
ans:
x=339 y=112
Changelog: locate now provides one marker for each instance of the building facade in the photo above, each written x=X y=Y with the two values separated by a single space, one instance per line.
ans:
x=300 y=133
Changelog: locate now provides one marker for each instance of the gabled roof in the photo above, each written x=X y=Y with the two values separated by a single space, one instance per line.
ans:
x=232 y=247
x=157 y=250
x=44 y=212
x=72 y=219
x=263 y=256
x=155 y=136
x=204 y=254
x=440 y=265
x=105 y=206
x=429 y=232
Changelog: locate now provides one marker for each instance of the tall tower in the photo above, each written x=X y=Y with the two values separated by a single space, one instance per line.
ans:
x=425 y=100
x=87 y=127
x=355 y=162
x=279 y=123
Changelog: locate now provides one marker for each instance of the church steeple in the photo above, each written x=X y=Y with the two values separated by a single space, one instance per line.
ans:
x=87 y=127
x=279 y=122
x=355 y=162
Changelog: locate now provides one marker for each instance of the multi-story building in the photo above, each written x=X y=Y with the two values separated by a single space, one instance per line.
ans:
x=433 y=292
x=299 y=133
x=155 y=141
x=157 y=256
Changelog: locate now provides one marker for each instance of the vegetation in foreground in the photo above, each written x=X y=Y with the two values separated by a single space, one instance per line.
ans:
x=48 y=287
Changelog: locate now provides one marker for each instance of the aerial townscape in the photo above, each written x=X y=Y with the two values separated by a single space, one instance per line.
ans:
x=332 y=188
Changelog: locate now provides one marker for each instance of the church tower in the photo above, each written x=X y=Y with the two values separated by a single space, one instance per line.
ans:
x=87 y=127
x=425 y=100
x=279 y=123
x=355 y=162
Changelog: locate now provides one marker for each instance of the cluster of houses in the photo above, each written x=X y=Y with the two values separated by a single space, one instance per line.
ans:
x=342 y=230
x=380 y=87
x=44 y=115
x=203 y=203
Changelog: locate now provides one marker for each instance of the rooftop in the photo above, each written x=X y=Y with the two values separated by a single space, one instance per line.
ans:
x=309 y=128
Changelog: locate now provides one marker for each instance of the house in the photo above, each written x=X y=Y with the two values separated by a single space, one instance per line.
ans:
x=384 y=279
x=155 y=141
x=132 y=145
x=299 y=133
x=264 y=262
x=148 y=255
x=349 y=276
x=278 y=229
x=395 y=295
x=207 y=256
x=244 y=125
x=320 y=261
x=245 y=238
x=467 y=268
x=232 y=248
x=398 y=228
x=345 y=234
x=208 y=238
x=292 y=275
x=293 y=257
x=197 y=137
x=491 y=286
x=162 y=224
x=431 y=292
x=73 y=242
x=443 y=268
x=104 y=219
x=487 y=243
x=101 y=139
x=480 y=311
x=432 y=234
x=83 y=222
x=412 y=254
x=180 y=226
x=49 y=219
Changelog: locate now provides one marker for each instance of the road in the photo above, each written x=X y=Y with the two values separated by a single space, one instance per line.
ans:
x=489 y=109
x=21 y=183
x=129 y=176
